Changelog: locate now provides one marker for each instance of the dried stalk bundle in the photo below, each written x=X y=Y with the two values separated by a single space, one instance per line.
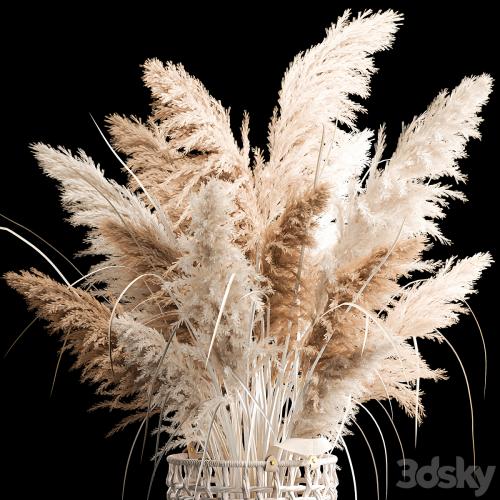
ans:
x=246 y=300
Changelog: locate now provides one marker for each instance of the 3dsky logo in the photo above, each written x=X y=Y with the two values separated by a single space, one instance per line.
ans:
x=435 y=475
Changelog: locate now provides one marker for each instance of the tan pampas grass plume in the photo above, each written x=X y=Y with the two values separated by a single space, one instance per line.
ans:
x=245 y=298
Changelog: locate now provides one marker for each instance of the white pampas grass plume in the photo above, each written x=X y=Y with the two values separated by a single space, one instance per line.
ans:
x=89 y=196
x=402 y=197
x=316 y=92
x=210 y=257
x=437 y=302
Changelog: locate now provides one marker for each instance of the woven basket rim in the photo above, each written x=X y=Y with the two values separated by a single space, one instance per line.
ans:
x=183 y=459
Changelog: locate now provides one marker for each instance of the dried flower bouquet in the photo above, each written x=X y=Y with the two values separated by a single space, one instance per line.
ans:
x=244 y=299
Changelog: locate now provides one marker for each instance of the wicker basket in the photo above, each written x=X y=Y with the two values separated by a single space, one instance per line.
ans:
x=306 y=478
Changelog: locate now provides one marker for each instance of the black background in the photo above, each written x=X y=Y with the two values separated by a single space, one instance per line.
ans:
x=58 y=66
